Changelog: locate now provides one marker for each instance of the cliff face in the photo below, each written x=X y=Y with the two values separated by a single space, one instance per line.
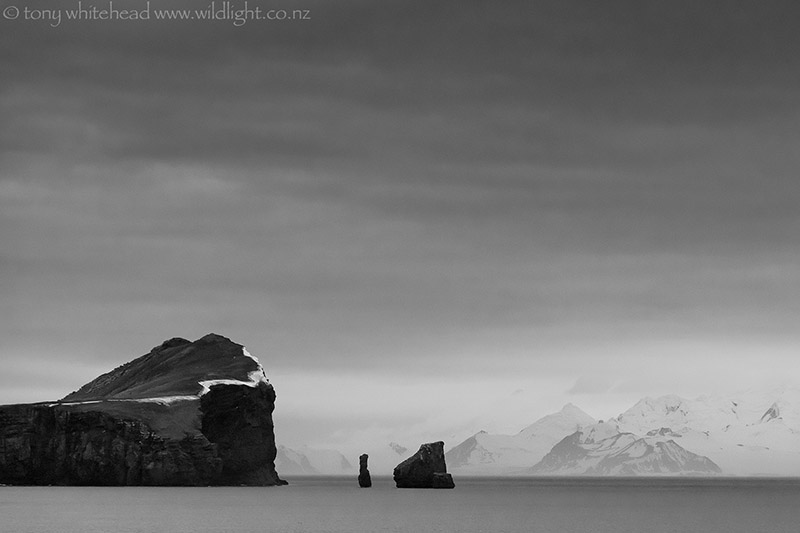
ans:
x=129 y=437
x=43 y=445
x=238 y=420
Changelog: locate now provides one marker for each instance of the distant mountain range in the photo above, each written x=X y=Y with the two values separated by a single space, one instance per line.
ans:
x=487 y=454
x=750 y=433
x=312 y=461
x=611 y=453
x=308 y=461
x=756 y=432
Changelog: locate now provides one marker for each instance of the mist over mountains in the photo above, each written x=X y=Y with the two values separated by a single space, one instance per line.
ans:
x=754 y=432
x=750 y=433
x=308 y=461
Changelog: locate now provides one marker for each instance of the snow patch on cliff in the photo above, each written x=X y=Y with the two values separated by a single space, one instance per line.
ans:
x=255 y=377
x=258 y=374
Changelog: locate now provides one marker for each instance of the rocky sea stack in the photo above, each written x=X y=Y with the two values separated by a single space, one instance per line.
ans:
x=187 y=413
x=426 y=469
x=364 y=479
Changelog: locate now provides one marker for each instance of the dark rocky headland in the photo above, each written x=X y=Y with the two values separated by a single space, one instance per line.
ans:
x=187 y=413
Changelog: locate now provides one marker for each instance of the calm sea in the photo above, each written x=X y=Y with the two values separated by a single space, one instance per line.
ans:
x=475 y=505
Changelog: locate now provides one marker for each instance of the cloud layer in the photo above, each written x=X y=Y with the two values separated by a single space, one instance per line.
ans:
x=548 y=192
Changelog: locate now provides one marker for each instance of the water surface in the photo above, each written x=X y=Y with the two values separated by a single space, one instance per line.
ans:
x=334 y=505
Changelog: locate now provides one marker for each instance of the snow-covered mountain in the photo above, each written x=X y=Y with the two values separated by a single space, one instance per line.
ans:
x=570 y=418
x=487 y=454
x=755 y=432
x=603 y=450
x=308 y=461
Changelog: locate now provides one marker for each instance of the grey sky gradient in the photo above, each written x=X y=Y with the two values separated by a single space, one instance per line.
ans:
x=591 y=200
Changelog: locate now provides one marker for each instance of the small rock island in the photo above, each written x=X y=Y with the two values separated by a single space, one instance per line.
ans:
x=426 y=469
x=187 y=413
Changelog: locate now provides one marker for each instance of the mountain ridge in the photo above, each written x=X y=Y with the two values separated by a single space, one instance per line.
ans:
x=487 y=454
x=754 y=432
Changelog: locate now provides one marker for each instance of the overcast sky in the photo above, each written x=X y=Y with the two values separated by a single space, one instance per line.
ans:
x=423 y=217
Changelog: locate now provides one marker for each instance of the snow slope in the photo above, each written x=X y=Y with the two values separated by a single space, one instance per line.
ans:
x=603 y=450
x=754 y=432
x=487 y=454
